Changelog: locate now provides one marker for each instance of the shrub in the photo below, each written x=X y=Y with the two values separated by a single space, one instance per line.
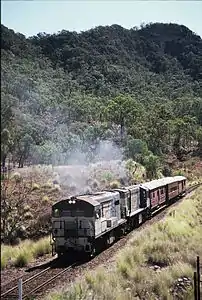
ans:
x=45 y=199
x=47 y=185
x=17 y=177
x=28 y=215
x=107 y=176
x=41 y=247
x=23 y=258
x=56 y=188
x=35 y=186
x=26 y=208
x=114 y=184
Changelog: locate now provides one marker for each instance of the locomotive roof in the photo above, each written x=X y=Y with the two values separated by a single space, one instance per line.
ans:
x=162 y=182
x=99 y=197
x=125 y=189
x=93 y=199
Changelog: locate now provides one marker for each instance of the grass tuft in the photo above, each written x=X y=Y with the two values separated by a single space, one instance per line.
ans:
x=45 y=199
x=3 y=262
x=23 y=258
x=35 y=187
x=41 y=248
x=17 y=177
x=22 y=254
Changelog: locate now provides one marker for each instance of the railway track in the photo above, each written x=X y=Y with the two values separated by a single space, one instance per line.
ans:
x=35 y=284
x=192 y=188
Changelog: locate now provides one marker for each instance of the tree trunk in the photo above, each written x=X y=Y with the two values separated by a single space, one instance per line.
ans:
x=21 y=162
x=4 y=161
x=122 y=127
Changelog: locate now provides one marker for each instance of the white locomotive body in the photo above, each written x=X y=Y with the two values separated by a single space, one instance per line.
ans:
x=79 y=221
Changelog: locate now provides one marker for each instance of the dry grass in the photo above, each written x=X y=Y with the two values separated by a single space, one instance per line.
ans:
x=24 y=253
x=154 y=259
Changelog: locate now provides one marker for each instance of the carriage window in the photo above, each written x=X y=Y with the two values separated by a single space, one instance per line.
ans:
x=97 y=214
x=161 y=191
x=153 y=194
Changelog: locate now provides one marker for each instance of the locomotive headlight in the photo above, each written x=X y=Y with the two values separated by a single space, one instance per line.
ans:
x=72 y=201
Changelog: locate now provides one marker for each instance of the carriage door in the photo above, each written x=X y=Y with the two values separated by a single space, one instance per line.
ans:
x=158 y=196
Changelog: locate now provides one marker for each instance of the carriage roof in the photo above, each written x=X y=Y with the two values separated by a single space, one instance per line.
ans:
x=157 y=183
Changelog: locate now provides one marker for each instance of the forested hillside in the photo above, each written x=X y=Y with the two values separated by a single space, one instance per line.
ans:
x=138 y=88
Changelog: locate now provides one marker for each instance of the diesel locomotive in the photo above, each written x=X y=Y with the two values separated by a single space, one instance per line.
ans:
x=90 y=222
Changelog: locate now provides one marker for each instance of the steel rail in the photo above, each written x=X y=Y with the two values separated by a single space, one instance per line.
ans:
x=27 y=280
x=47 y=281
x=192 y=188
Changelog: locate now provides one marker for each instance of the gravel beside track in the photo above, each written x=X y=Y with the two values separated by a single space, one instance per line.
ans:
x=64 y=271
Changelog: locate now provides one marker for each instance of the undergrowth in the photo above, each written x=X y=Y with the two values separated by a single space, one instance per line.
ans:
x=24 y=253
x=148 y=267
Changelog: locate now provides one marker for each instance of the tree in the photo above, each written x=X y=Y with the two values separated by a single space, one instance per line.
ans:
x=6 y=144
x=122 y=110
x=199 y=139
x=14 y=195
x=136 y=149
x=184 y=133
x=152 y=164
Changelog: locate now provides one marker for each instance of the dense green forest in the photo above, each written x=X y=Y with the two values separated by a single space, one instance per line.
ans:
x=140 y=89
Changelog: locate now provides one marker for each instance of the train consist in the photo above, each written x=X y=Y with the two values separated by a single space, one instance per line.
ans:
x=88 y=223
